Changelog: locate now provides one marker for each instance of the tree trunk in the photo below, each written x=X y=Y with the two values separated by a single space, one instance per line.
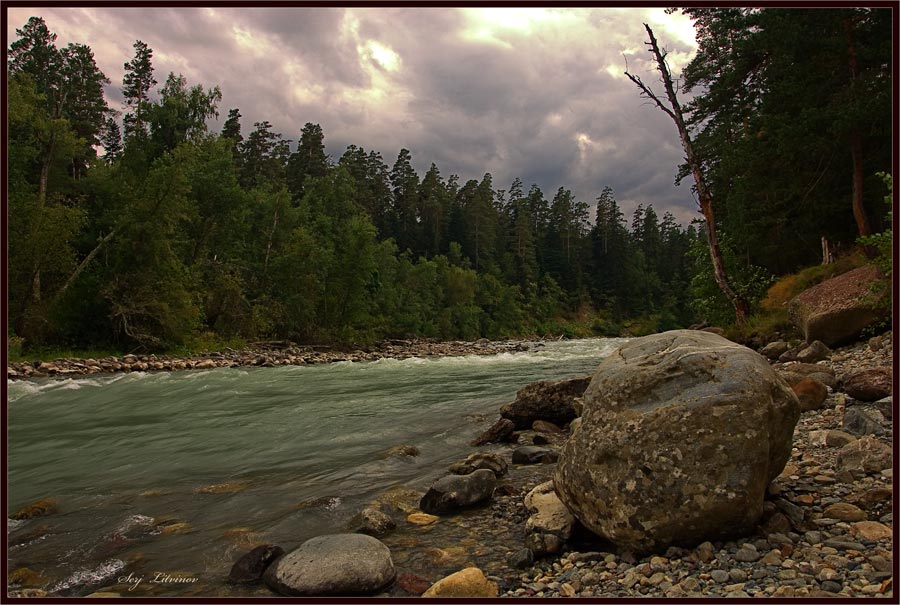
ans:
x=741 y=307
x=84 y=263
x=856 y=143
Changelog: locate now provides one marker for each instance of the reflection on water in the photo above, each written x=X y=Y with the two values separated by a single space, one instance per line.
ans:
x=183 y=472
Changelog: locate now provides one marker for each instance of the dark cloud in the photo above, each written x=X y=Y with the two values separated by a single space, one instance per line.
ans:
x=536 y=95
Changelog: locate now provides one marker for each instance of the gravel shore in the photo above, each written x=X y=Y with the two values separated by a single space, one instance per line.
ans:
x=825 y=532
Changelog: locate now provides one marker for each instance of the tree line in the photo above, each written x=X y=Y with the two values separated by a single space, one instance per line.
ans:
x=141 y=231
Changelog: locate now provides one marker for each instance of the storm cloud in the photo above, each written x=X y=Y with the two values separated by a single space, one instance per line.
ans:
x=537 y=94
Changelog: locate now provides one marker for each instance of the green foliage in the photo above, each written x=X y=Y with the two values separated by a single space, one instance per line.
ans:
x=882 y=242
x=748 y=281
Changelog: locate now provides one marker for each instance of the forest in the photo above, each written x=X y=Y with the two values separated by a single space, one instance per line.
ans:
x=147 y=231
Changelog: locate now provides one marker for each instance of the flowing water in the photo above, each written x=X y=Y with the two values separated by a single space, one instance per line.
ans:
x=182 y=472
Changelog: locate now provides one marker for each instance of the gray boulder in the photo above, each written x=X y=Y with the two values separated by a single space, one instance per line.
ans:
x=550 y=523
x=332 y=565
x=478 y=461
x=859 y=422
x=817 y=351
x=865 y=455
x=774 y=350
x=550 y=401
x=681 y=434
x=458 y=491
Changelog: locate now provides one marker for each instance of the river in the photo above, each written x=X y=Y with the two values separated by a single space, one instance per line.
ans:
x=182 y=472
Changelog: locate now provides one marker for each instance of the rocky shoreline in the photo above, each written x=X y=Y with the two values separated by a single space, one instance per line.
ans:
x=262 y=355
x=826 y=530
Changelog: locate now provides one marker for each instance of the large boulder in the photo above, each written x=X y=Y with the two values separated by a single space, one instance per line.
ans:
x=544 y=400
x=550 y=523
x=839 y=309
x=681 y=434
x=458 y=491
x=332 y=565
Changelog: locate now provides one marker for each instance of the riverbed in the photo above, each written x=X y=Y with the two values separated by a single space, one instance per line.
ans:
x=180 y=473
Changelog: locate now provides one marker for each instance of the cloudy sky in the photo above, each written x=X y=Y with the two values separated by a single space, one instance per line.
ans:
x=528 y=92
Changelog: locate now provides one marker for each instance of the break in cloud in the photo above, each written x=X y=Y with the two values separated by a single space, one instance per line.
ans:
x=537 y=93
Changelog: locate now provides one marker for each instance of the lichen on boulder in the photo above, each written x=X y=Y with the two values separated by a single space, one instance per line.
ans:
x=681 y=434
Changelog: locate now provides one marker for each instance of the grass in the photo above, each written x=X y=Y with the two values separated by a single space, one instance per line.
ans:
x=771 y=321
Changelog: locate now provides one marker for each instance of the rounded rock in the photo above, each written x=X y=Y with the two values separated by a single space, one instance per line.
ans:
x=336 y=564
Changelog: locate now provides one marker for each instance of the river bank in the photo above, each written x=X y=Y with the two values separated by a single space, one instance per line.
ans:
x=826 y=531
x=262 y=355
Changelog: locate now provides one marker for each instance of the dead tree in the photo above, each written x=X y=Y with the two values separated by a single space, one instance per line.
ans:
x=673 y=110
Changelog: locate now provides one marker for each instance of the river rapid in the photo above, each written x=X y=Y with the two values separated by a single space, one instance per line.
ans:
x=180 y=473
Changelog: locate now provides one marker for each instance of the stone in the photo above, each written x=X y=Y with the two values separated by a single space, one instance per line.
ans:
x=332 y=565
x=830 y=438
x=871 y=530
x=479 y=460
x=746 y=555
x=533 y=454
x=844 y=512
x=681 y=434
x=469 y=582
x=521 y=559
x=501 y=431
x=544 y=400
x=859 y=422
x=400 y=451
x=25 y=577
x=719 y=576
x=550 y=524
x=542 y=426
x=774 y=350
x=706 y=552
x=249 y=568
x=811 y=394
x=869 y=385
x=817 y=351
x=422 y=519
x=412 y=583
x=458 y=491
x=837 y=310
x=374 y=522
x=865 y=455
x=41 y=508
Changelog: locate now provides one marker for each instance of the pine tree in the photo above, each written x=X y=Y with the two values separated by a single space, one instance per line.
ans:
x=136 y=85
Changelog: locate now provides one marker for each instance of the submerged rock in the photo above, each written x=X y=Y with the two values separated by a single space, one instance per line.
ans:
x=478 y=461
x=374 y=522
x=333 y=565
x=458 y=491
x=681 y=434
x=249 y=569
x=43 y=507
